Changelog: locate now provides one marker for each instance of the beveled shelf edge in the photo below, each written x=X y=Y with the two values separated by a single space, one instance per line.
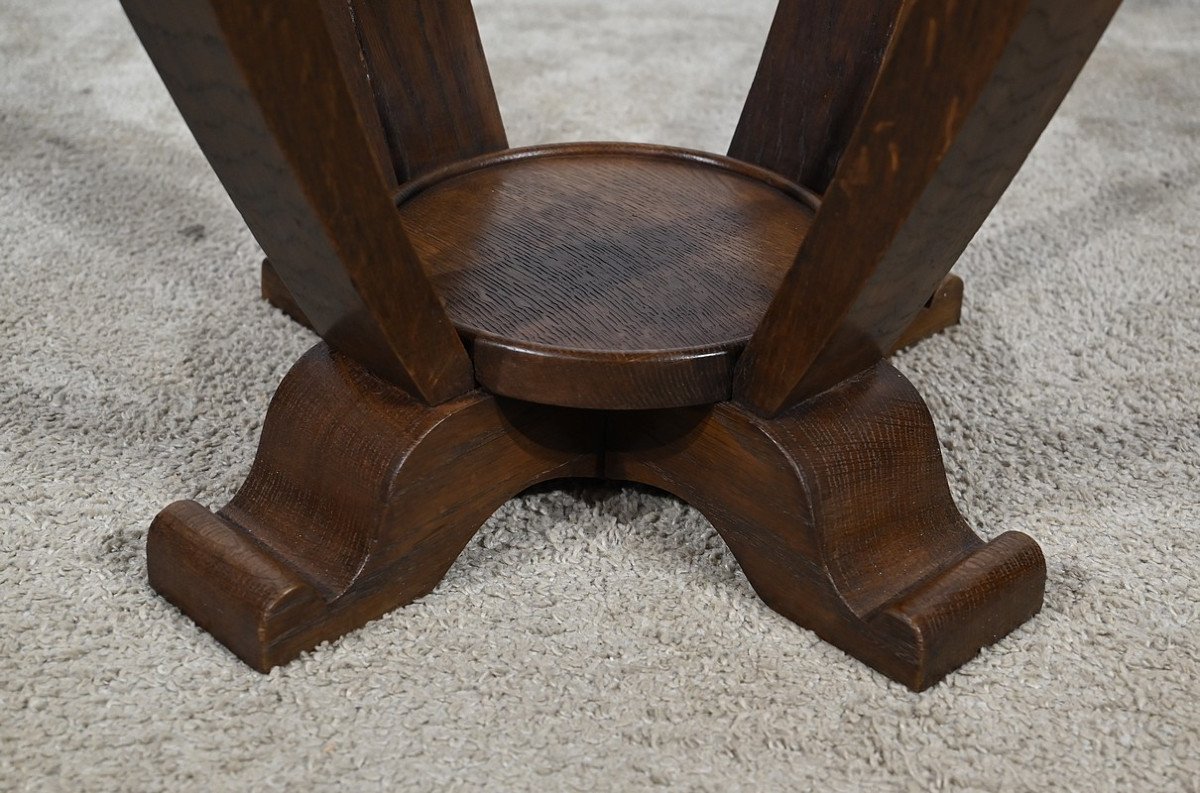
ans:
x=803 y=195
x=603 y=378
x=597 y=380
x=493 y=359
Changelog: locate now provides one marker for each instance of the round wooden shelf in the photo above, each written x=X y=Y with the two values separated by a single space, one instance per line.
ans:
x=610 y=276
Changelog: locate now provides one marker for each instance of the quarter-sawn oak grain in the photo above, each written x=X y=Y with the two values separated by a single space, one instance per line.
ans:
x=840 y=516
x=607 y=276
x=964 y=92
x=262 y=89
x=425 y=62
x=820 y=62
x=495 y=318
x=359 y=500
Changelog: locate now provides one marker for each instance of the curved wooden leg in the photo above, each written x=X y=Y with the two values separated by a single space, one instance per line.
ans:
x=840 y=515
x=358 y=502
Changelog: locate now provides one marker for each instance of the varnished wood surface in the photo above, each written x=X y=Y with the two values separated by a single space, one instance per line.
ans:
x=260 y=85
x=359 y=500
x=818 y=67
x=343 y=30
x=840 y=516
x=616 y=285
x=276 y=293
x=942 y=311
x=964 y=92
x=432 y=88
x=615 y=276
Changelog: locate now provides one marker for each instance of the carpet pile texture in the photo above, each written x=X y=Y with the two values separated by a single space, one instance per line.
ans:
x=592 y=637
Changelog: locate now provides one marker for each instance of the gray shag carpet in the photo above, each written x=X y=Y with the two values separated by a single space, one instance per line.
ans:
x=591 y=638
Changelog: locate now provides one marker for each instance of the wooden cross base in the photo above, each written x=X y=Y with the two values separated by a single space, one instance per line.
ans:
x=361 y=498
x=712 y=325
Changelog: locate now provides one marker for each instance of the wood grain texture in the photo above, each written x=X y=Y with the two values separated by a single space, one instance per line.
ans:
x=964 y=92
x=433 y=91
x=840 y=516
x=943 y=310
x=343 y=30
x=817 y=70
x=616 y=285
x=261 y=87
x=606 y=276
x=359 y=500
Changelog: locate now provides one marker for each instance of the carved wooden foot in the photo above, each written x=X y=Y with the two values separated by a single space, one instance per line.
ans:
x=359 y=501
x=840 y=515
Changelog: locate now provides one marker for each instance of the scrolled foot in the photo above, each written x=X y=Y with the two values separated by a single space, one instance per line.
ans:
x=841 y=517
x=944 y=622
x=358 y=502
x=235 y=589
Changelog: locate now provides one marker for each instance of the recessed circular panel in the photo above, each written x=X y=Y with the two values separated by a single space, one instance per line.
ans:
x=651 y=266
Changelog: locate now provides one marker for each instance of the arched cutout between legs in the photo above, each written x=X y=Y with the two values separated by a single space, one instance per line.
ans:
x=360 y=500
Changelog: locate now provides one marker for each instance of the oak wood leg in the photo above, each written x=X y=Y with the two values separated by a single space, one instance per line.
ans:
x=840 y=515
x=275 y=292
x=359 y=501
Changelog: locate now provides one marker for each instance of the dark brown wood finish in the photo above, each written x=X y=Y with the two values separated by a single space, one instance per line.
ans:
x=605 y=293
x=964 y=93
x=606 y=275
x=343 y=29
x=943 y=310
x=820 y=62
x=840 y=516
x=425 y=63
x=261 y=88
x=275 y=293
x=359 y=501
x=838 y=512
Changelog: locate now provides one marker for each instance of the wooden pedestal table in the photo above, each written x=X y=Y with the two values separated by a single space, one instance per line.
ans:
x=715 y=326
